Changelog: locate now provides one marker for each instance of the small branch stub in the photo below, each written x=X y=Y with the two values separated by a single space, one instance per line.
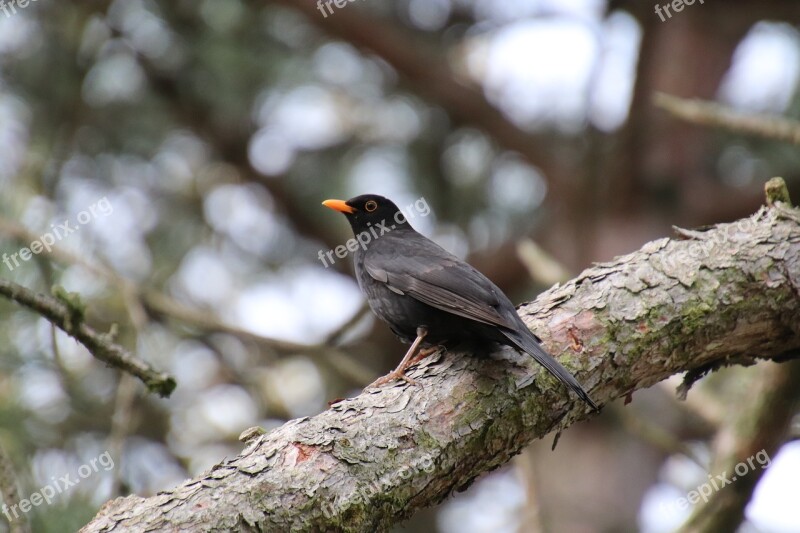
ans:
x=777 y=191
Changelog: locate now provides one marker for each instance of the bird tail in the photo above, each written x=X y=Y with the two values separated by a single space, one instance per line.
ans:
x=528 y=344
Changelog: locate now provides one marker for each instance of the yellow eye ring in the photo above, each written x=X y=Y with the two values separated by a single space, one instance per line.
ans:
x=371 y=206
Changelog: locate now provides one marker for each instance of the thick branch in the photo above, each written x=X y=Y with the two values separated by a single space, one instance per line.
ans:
x=727 y=295
x=66 y=312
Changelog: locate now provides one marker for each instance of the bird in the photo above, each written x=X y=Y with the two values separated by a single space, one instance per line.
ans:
x=428 y=296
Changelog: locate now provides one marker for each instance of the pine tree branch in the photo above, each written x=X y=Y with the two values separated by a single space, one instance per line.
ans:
x=726 y=295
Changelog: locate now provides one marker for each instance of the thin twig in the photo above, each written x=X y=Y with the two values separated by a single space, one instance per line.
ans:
x=542 y=267
x=323 y=353
x=650 y=432
x=66 y=313
x=713 y=114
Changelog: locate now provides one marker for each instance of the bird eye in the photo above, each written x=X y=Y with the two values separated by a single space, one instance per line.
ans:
x=371 y=206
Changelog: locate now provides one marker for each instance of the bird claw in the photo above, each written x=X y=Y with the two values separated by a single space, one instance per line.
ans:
x=409 y=380
x=423 y=353
x=391 y=376
x=401 y=372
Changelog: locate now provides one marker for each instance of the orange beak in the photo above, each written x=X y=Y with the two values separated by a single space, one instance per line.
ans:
x=339 y=205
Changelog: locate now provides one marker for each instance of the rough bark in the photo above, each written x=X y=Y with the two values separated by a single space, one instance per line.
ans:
x=729 y=294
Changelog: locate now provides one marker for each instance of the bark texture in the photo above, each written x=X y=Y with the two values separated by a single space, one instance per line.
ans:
x=728 y=294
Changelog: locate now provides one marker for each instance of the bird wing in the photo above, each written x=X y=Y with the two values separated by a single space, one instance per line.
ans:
x=437 y=278
x=421 y=269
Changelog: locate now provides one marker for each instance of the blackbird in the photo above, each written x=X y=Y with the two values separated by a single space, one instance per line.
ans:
x=428 y=296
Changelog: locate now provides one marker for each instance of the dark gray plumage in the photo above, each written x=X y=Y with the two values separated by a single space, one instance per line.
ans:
x=412 y=282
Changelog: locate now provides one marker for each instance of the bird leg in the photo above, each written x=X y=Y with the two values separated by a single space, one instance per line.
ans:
x=409 y=359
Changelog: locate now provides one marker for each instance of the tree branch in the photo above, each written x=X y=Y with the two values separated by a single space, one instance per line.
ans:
x=727 y=295
x=66 y=311
x=712 y=114
x=759 y=428
x=148 y=299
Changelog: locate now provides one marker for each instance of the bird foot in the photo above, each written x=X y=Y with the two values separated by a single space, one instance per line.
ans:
x=400 y=373
x=391 y=376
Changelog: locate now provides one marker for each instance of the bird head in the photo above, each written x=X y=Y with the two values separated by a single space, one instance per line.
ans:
x=368 y=210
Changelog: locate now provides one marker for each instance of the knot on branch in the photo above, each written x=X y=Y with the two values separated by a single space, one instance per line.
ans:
x=76 y=308
x=161 y=384
x=777 y=191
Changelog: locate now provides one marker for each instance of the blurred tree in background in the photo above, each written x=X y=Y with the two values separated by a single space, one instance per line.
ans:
x=205 y=134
